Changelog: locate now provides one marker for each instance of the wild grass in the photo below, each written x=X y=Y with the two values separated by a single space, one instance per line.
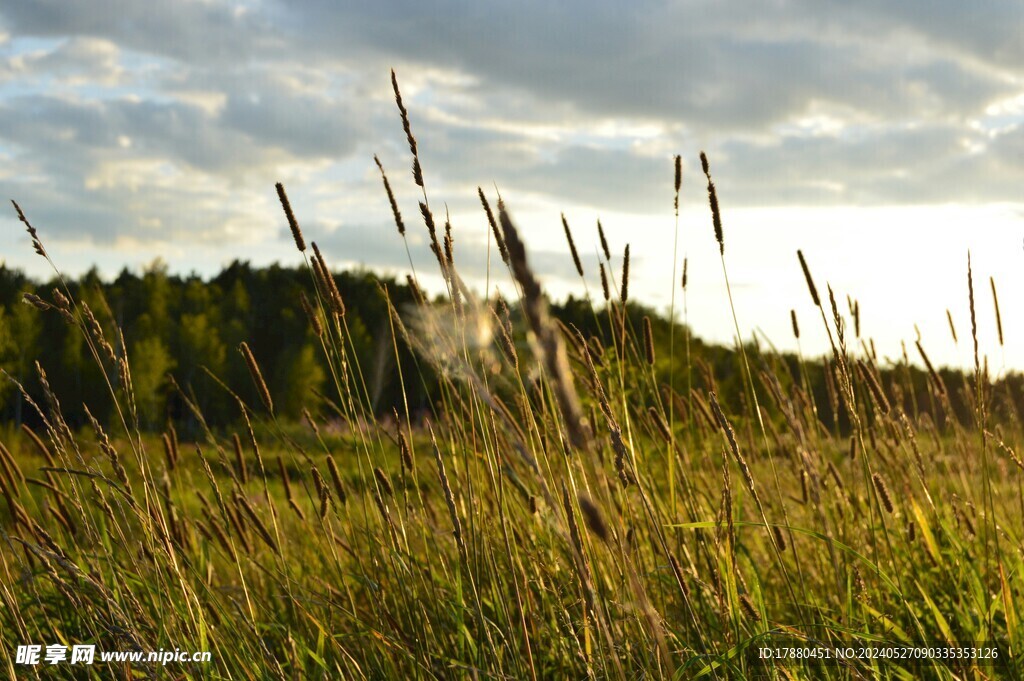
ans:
x=560 y=513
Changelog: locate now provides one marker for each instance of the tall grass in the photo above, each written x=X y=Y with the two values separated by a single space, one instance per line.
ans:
x=559 y=513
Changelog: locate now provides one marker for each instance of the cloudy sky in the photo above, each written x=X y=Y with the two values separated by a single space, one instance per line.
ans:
x=884 y=139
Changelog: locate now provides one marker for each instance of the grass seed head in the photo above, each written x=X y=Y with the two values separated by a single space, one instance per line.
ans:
x=293 y=224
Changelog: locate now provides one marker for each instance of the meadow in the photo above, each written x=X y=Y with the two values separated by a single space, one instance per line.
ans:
x=584 y=497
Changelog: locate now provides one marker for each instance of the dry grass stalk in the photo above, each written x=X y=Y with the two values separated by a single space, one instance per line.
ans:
x=505 y=339
x=449 y=246
x=574 y=529
x=240 y=468
x=96 y=331
x=311 y=314
x=285 y=480
x=235 y=519
x=716 y=218
x=780 y=537
x=834 y=472
x=261 y=529
x=383 y=483
x=995 y=302
x=875 y=388
x=550 y=346
x=37 y=245
x=678 y=181
x=329 y=288
x=169 y=453
x=339 y=488
x=397 y=214
x=952 y=329
x=883 y=492
x=624 y=291
x=39 y=444
x=974 y=320
x=1009 y=451
x=321 y=490
x=936 y=379
x=604 y=242
x=495 y=230
x=108 y=449
x=807 y=277
x=417 y=172
x=446 y=488
x=594 y=519
x=35 y=301
x=292 y=504
x=837 y=319
x=748 y=608
x=435 y=245
x=659 y=423
x=293 y=224
x=730 y=435
x=604 y=282
x=414 y=289
x=621 y=454
x=648 y=341
x=257 y=376
x=572 y=246
x=796 y=327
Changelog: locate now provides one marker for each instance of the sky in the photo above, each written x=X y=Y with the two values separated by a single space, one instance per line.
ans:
x=885 y=140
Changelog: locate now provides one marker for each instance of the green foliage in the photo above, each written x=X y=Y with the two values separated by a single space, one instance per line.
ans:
x=150 y=362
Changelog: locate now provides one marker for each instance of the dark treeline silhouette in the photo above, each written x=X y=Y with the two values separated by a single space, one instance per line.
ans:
x=188 y=328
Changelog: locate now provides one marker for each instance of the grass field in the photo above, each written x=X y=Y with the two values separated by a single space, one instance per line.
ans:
x=559 y=513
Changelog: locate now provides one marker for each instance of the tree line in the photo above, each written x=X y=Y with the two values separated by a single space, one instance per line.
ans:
x=181 y=334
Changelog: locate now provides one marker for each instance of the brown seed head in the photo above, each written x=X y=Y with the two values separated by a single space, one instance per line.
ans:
x=257 y=376
x=293 y=224
x=624 y=291
x=810 y=282
x=383 y=483
x=498 y=239
x=679 y=179
x=572 y=246
x=594 y=519
x=648 y=340
x=37 y=245
x=391 y=198
x=995 y=301
x=417 y=172
x=883 y=492
x=716 y=217
x=604 y=241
